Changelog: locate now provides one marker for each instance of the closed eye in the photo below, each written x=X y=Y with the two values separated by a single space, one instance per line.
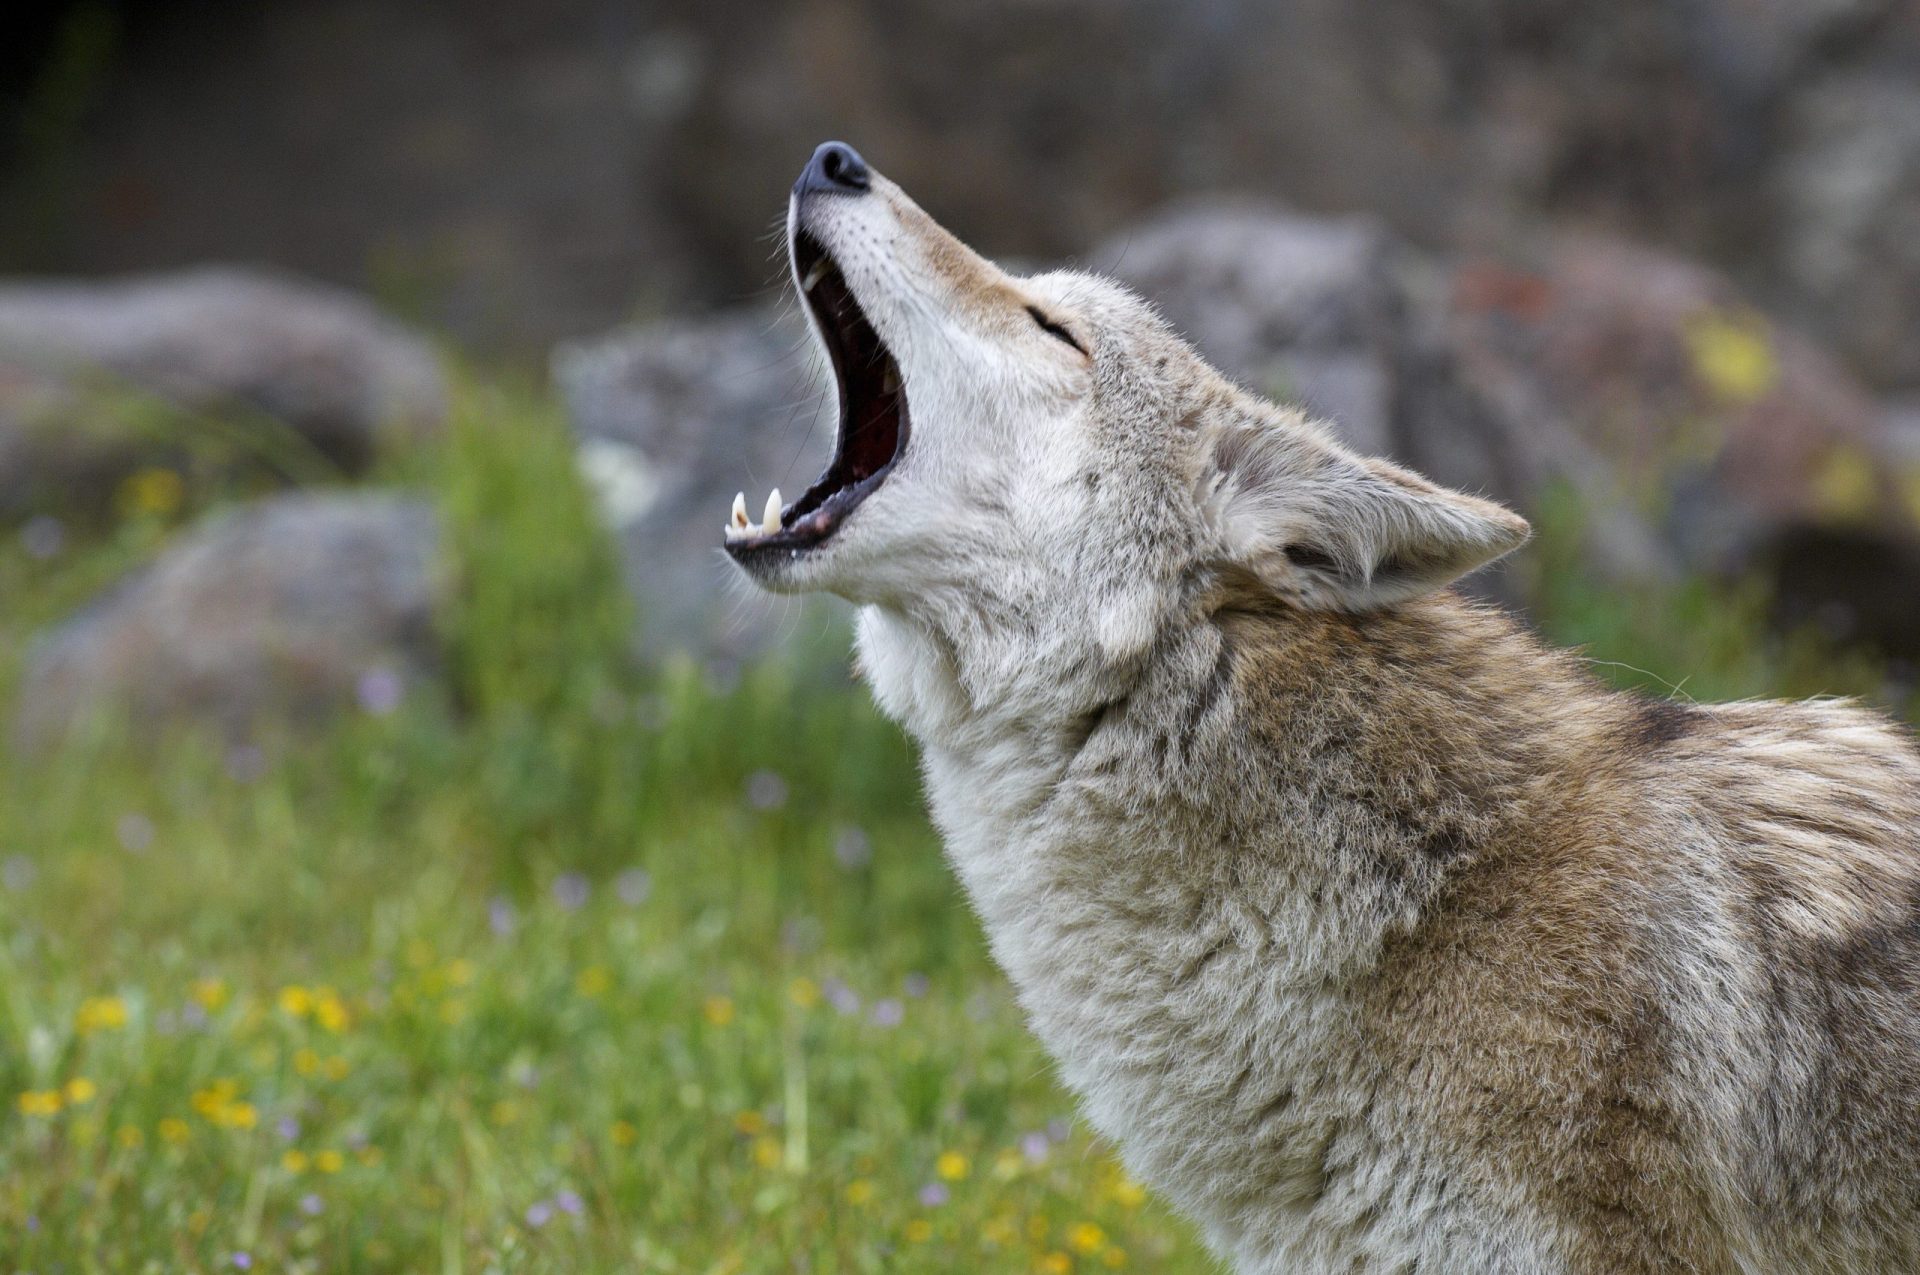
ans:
x=1054 y=330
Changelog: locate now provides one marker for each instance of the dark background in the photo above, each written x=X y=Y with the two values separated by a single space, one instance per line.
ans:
x=522 y=170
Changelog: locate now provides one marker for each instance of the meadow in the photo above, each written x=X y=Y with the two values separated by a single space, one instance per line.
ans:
x=579 y=964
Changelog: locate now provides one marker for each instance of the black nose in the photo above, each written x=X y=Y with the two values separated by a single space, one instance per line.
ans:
x=836 y=168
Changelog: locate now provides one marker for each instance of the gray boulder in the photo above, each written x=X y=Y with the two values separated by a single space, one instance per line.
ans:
x=1309 y=309
x=273 y=613
x=1848 y=191
x=673 y=419
x=1696 y=434
x=98 y=378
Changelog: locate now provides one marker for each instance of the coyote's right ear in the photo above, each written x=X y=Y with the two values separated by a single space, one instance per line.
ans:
x=1327 y=529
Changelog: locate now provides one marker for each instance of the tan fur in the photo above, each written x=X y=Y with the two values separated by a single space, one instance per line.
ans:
x=1378 y=935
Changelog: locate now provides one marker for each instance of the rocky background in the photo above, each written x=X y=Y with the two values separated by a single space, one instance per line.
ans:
x=1656 y=262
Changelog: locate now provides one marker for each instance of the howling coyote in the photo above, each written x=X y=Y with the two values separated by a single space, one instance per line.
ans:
x=1379 y=936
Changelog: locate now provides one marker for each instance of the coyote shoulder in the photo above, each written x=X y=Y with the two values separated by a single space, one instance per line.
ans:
x=1378 y=935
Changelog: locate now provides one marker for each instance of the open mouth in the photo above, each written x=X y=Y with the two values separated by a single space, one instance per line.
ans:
x=873 y=418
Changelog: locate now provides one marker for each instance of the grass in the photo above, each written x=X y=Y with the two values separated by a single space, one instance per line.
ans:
x=576 y=966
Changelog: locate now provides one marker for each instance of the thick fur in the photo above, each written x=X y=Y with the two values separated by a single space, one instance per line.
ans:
x=1377 y=935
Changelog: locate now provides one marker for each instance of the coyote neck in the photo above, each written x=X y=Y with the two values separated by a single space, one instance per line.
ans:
x=1347 y=765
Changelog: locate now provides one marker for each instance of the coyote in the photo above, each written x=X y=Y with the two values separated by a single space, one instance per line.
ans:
x=1378 y=935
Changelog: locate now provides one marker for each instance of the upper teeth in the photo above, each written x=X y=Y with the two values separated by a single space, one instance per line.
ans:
x=739 y=528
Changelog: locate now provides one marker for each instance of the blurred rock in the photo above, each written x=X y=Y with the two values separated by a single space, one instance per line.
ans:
x=673 y=419
x=1848 y=187
x=97 y=379
x=274 y=613
x=531 y=169
x=1725 y=429
x=1694 y=433
x=1308 y=309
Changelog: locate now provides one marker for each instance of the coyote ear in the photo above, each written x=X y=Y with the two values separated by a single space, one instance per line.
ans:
x=1327 y=529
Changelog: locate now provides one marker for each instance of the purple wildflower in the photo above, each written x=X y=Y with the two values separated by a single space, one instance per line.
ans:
x=633 y=886
x=379 y=690
x=246 y=763
x=43 y=537
x=888 y=1012
x=852 y=848
x=934 y=1194
x=570 y=1203
x=17 y=872
x=766 y=790
x=570 y=891
x=501 y=918
x=539 y=1213
x=135 y=832
x=840 y=996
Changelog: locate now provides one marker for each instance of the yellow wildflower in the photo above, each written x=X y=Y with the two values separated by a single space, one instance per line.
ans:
x=100 y=1013
x=1008 y=1164
x=1115 y=1256
x=211 y=993
x=750 y=1123
x=296 y=1000
x=153 y=491
x=1733 y=354
x=239 y=1115
x=1056 y=1264
x=718 y=1010
x=999 y=1231
x=952 y=1166
x=306 y=1061
x=593 y=981
x=174 y=1130
x=330 y=1011
x=1129 y=1194
x=335 y=1067
x=623 y=1134
x=294 y=1161
x=329 y=1161
x=80 y=1091
x=804 y=992
x=919 y=1231
x=859 y=1191
x=40 y=1102
x=1086 y=1238
x=459 y=972
x=129 y=1136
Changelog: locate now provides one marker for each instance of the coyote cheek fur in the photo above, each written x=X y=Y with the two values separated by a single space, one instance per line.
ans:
x=1377 y=935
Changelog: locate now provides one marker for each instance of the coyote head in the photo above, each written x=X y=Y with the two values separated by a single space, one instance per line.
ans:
x=1040 y=455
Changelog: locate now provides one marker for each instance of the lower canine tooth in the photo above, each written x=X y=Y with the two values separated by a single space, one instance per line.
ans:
x=770 y=520
x=815 y=275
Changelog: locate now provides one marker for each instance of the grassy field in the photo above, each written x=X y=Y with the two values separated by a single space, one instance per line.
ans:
x=577 y=966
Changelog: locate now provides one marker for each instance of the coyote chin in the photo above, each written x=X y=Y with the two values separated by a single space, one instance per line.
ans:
x=1376 y=934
